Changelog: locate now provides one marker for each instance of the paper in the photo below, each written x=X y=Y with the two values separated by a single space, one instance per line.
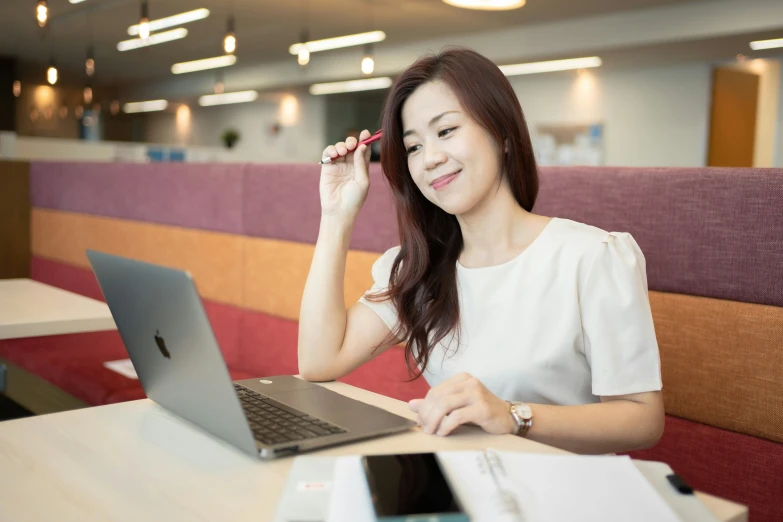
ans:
x=123 y=367
x=498 y=486
x=351 y=500
x=553 y=488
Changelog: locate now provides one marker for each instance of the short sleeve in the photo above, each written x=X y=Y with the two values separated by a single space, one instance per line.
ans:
x=617 y=323
x=381 y=272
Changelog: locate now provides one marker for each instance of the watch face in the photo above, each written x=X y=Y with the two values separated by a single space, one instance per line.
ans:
x=523 y=410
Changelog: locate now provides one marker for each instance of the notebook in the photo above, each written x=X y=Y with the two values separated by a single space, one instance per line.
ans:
x=492 y=485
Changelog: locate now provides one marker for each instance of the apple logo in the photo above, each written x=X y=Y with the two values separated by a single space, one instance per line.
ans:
x=161 y=345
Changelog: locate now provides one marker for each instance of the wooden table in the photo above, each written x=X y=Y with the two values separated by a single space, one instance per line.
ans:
x=136 y=461
x=31 y=309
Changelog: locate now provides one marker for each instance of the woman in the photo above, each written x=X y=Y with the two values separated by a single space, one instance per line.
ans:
x=520 y=323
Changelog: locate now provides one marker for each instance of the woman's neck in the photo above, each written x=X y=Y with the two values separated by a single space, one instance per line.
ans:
x=496 y=230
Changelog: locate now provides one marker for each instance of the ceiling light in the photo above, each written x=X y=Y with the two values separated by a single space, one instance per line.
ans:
x=487 y=5
x=230 y=40
x=303 y=56
x=766 y=44
x=368 y=62
x=17 y=88
x=338 y=42
x=351 y=86
x=76 y=1
x=157 y=38
x=51 y=74
x=89 y=63
x=145 y=106
x=172 y=21
x=144 y=22
x=228 y=97
x=88 y=95
x=206 y=63
x=41 y=13
x=550 y=66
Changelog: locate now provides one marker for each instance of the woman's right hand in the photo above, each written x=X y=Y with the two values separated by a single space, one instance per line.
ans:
x=346 y=180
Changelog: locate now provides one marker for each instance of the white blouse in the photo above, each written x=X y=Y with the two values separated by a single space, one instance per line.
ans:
x=566 y=321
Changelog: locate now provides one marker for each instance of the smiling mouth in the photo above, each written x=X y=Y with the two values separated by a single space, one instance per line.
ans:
x=444 y=180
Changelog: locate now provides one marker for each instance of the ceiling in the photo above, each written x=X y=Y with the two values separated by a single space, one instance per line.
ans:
x=265 y=29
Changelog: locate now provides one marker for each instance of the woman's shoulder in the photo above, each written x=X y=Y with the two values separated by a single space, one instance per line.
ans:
x=583 y=240
x=580 y=236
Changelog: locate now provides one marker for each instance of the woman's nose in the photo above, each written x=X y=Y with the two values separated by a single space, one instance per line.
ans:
x=433 y=157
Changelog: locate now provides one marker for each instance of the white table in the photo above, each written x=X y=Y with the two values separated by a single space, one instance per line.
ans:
x=135 y=461
x=31 y=309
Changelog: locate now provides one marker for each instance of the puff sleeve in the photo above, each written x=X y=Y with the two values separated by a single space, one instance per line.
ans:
x=617 y=324
x=381 y=272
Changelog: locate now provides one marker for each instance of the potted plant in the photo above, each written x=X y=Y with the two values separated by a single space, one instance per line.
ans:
x=230 y=137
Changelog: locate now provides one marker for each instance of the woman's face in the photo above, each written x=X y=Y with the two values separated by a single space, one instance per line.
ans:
x=452 y=159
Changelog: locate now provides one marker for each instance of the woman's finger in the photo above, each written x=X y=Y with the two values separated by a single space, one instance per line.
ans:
x=432 y=412
x=456 y=419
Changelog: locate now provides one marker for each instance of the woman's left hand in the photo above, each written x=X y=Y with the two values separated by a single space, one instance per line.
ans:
x=461 y=400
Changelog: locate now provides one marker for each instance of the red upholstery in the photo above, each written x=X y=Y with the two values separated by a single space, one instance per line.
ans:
x=74 y=363
x=731 y=465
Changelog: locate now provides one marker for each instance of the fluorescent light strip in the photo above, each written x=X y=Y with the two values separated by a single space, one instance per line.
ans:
x=351 y=86
x=766 y=44
x=487 y=5
x=172 y=21
x=157 y=38
x=206 y=63
x=227 y=97
x=145 y=106
x=76 y=1
x=550 y=66
x=338 y=42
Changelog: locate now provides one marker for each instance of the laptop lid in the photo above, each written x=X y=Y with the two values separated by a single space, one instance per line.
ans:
x=162 y=322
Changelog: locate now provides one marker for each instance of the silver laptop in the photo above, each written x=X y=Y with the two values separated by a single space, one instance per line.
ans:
x=162 y=322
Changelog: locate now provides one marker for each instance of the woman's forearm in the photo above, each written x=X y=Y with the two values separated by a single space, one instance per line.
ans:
x=611 y=426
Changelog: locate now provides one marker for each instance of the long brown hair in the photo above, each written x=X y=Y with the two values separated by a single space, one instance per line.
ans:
x=423 y=281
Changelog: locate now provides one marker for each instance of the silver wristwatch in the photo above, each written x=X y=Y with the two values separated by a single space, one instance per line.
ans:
x=522 y=415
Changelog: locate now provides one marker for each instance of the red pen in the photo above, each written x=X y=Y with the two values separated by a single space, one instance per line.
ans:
x=374 y=137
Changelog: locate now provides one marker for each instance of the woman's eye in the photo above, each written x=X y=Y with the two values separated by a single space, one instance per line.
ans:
x=411 y=149
x=445 y=132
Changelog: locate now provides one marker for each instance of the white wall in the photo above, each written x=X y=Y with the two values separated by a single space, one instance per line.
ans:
x=301 y=138
x=651 y=117
x=779 y=146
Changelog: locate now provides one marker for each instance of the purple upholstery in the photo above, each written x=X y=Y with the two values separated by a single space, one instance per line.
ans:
x=203 y=196
x=707 y=232
x=282 y=202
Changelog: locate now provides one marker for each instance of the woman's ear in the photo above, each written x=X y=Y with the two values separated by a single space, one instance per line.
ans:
x=505 y=145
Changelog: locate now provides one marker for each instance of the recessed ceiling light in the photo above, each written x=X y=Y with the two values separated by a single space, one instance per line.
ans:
x=145 y=106
x=766 y=44
x=338 y=42
x=227 y=97
x=157 y=38
x=351 y=86
x=550 y=66
x=487 y=5
x=206 y=63
x=171 y=21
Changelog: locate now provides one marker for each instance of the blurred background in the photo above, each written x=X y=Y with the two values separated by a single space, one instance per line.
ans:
x=604 y=82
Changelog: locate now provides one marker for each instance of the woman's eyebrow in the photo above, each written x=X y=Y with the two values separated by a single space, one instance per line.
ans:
x=432 y=122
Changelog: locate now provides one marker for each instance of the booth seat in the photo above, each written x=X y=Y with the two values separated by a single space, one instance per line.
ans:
x=712 y=238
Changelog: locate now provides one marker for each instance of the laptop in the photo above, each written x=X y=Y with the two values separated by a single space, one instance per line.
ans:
x=162 y=322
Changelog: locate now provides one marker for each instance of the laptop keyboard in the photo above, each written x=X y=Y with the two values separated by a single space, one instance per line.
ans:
x=273 y=425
